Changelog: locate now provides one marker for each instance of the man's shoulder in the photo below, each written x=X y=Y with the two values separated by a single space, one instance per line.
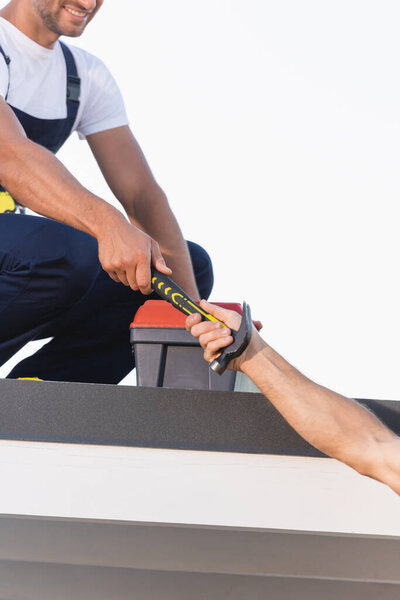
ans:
x=89 y=66
x=82 y=56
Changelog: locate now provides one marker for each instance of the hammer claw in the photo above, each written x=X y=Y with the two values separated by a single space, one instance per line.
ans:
x=240 y=342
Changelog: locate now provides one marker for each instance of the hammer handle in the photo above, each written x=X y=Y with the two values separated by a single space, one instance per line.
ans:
x=171 y=292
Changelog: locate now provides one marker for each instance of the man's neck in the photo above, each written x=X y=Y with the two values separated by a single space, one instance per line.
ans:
x=28 y=22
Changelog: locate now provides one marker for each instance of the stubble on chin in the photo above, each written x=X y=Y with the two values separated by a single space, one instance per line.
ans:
x=52 y=20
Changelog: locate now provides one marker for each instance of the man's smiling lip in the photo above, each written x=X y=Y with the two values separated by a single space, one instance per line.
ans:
x=78 y=14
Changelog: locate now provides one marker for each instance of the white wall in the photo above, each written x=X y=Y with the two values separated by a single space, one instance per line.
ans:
x=274 y=129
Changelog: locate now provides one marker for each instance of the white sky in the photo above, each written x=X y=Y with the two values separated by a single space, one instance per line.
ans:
x=274 y=129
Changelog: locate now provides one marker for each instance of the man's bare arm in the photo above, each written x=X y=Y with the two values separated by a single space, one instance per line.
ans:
x=36 y=179
x=127 y=173
x=338 y=426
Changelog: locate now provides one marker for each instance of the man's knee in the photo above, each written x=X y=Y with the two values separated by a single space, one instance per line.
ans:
x=203 y=269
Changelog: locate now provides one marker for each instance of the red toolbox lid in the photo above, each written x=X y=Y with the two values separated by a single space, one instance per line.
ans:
x=159 y=313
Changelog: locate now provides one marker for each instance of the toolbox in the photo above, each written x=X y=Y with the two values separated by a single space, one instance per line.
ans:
x=166 y=355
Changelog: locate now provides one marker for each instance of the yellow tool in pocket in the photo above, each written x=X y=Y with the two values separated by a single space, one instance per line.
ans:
x=7 y=204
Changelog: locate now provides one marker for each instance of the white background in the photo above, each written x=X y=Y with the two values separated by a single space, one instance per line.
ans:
x=273 y=127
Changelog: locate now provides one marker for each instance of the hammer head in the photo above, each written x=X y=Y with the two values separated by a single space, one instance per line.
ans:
x=241 y=340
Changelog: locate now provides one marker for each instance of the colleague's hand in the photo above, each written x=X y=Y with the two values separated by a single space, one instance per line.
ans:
x=126 y=254
x=213 y=337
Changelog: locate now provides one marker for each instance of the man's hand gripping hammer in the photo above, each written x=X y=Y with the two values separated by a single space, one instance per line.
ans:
x=170 y=291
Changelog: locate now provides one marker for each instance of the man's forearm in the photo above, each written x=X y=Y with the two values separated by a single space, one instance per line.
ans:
x=336 y=425
x=161 y=224
x=126 y=171
x=37 y=180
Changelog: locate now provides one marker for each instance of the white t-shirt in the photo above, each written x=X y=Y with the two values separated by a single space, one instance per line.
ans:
x=38 y=83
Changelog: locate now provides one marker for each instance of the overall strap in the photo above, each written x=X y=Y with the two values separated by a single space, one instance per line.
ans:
x=8 y=60
x=73 y=84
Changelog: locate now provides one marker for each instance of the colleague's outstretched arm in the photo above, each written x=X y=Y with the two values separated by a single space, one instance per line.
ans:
x=338 y=426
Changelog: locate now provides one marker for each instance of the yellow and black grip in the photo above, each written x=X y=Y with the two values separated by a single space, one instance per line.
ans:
x=171 y=292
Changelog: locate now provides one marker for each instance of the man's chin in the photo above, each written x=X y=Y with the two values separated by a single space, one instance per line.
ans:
x=72 y=31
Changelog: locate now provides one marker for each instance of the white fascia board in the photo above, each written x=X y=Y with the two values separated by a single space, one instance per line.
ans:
x=192 y=487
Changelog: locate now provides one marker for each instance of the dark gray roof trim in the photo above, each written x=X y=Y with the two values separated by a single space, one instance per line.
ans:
x=155 y=418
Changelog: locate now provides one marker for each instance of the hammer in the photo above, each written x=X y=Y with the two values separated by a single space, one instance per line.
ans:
x=168 y=290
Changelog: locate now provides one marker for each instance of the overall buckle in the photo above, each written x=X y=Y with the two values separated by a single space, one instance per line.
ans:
x=73 y=88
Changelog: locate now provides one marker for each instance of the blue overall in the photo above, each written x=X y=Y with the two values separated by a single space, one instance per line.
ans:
x=52 y=284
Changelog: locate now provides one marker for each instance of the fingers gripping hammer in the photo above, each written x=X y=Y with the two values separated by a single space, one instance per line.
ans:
x=168 y=290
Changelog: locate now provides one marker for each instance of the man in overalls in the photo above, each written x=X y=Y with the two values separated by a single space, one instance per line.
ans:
x=80 y=274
